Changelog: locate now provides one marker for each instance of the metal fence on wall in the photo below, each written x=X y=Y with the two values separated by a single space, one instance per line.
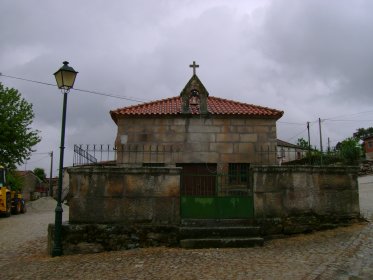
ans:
x=151 y=155
x=278 y=155
x=155 y=155
x=93 y=154
x=299 y=156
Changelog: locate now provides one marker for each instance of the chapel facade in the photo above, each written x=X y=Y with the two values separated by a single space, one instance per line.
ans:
x=196 y=131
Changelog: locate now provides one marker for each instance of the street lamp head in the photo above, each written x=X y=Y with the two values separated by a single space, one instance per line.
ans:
x=65 y=77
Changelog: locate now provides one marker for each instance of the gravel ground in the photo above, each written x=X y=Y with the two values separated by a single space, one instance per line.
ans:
x=315 y=256
x=19 y=231
x=343 y=253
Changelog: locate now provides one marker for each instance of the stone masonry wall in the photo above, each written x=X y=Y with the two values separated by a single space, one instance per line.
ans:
x=115 y=208
x=297 y=199
x=117 y=195
x=95 y=238
x=207 y=139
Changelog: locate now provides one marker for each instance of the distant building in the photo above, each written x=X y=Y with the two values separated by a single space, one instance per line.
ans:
x=65 y=186
x=54 y=183
x=32 y=186
x=368 y=147
x=289 y=152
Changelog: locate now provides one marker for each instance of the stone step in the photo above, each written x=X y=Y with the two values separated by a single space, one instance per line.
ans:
x=212 y=232
x=221 y=242
x=216 y=222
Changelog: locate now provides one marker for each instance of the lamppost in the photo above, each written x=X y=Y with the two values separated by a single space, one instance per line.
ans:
x=65 y=78
x=50 y=175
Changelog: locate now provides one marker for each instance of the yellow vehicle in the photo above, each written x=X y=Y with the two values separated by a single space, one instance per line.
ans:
x=11 y=202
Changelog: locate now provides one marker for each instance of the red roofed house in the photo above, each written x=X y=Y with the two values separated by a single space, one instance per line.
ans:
x=204 y=134
x=368 y=147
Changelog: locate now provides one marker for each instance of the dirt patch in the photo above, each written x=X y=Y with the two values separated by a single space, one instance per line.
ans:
x=43 y=204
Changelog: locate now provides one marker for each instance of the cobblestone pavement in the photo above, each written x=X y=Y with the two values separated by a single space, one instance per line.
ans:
x=343 y=253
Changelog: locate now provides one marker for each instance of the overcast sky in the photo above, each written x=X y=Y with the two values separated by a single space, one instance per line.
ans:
x=312 y=59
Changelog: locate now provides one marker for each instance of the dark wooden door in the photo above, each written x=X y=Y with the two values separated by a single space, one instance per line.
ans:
x=198 y=179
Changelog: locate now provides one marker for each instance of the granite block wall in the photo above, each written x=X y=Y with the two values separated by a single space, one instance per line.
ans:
x=296 y=199
x=117 y=194
x=207 y=139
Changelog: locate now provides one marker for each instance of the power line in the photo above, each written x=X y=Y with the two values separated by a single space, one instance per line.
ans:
x=350 y=120
x=291 y=138
x=36 y=160
x=27 y=80
x=303 y=130
x=359 y=113
x=81 y=90
x=111 y=95
x=332 y=119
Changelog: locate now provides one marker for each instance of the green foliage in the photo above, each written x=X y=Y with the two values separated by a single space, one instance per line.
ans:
x=14 y=181
x=347 y=152
x=350 y=150
x=363 y=132
x=303 y=143
x=16 y=136
x=40 y=173
x=315 y=157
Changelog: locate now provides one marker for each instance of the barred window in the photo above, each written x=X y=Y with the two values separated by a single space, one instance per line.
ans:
x=238 y=173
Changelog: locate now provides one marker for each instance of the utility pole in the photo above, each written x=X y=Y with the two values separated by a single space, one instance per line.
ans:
x=321 y=150
x=328 y=145
x=320 y=136
x=50 y=175
x=309 y=137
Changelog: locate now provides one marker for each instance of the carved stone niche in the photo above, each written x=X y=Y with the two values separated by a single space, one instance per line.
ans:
x=194 y=94
x=194 y=97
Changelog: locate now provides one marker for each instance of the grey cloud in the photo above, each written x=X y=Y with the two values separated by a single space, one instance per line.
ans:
x=309 y=58
x=322 y=40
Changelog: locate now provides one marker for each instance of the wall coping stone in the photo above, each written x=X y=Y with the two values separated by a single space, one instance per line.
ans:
x=306 y=168
x=123 y=170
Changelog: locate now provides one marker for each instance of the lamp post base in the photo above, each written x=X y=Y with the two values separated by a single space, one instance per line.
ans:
x=57 y=247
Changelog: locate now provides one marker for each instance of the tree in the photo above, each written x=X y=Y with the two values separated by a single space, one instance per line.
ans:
x=350 y=150
x=16 y=136
x=14 y=181
x=40 y=173
x=303 y=143
x=363 y=132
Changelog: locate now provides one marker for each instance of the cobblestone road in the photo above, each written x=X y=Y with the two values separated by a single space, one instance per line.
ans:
x=344 y=253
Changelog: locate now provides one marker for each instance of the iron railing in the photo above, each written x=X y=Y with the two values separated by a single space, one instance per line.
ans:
x=148 y=155
x=160 y=155
x=93 y=154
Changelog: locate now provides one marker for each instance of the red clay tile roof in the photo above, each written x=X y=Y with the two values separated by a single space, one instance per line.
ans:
x=215 y=105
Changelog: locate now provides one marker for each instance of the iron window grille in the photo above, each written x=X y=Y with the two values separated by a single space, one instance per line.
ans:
x=238 y=173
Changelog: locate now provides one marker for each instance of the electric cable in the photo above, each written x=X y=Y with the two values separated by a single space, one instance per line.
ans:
x=81 y=90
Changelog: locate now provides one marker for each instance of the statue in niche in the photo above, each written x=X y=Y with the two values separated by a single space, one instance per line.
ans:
x=194 y=97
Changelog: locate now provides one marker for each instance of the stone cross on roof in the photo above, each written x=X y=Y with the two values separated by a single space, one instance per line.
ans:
x=194 y=66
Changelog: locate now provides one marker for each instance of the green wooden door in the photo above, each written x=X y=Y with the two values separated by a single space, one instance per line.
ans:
x=215 y=207
x=208 y=195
